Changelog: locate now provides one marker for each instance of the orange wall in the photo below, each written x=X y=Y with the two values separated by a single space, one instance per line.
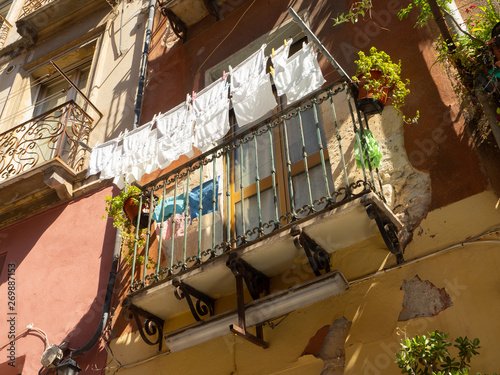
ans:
x=437 y=145
x=62 y=259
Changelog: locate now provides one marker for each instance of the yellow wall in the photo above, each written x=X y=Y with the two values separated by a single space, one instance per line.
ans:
x=373 y=303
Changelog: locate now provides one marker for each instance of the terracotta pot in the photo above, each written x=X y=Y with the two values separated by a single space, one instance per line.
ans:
x=132 y=210
x=366 y=102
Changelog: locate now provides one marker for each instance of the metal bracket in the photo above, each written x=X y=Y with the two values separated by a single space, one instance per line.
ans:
x=152 y=324
x=318 y=258
x=213 y=8
x=178 y=26
x=204 y=304
x=256 y=283
x=387 y=230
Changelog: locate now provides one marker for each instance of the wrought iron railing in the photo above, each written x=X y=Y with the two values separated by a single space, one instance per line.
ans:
x=31 y=5
x=252 y=185
x=4 y=31
x=59 y=132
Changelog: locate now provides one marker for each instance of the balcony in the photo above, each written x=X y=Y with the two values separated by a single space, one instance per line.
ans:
x=4 y=31
x=46 y=17
x=283 y=195
x=40 y=159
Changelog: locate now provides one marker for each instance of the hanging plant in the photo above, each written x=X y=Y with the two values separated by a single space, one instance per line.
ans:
x=379 y=79
x=121 y=208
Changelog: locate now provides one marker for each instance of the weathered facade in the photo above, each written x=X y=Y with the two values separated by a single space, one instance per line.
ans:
x=432 y=199
x=284 y=254
x=55 y=248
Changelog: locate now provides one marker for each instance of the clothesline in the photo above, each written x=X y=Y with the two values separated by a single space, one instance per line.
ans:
x=203 y=118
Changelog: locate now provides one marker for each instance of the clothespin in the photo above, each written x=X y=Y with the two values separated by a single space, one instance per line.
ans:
x=272 y=52
x=224 y=75
x=286 y=43
x=272 y=70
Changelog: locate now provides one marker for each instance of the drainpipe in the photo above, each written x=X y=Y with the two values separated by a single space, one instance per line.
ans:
x=144 y=63
x=107 y=300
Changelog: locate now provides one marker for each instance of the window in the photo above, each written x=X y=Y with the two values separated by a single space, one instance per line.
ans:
x=4 y=24
x=54 y=91
x=4 y=10
x=279 y=170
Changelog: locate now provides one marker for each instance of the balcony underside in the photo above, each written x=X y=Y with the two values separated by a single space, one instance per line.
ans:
x=41 y=187
x=52 y=16
x=274 y=255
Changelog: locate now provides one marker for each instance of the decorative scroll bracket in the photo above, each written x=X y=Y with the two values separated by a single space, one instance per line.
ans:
x=387 y=230
x=178 y=26
x=152 y=324
x=257 y=283
x=204 y=304
x=213 y=8
x=318 y=258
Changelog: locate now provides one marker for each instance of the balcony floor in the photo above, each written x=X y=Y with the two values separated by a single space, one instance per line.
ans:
x=334 y=230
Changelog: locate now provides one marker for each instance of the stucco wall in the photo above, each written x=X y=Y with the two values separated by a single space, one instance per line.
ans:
x=62 y=257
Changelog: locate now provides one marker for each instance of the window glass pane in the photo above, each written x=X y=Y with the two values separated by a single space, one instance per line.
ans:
x=318 y=187
x=251 y=214
x=247 y=161
x=309 y=133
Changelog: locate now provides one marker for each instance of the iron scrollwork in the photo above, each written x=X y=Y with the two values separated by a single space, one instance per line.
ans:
x=318 y=258
x=204 y=305
x=387 y=230
x=153 y=325
x=256 y=282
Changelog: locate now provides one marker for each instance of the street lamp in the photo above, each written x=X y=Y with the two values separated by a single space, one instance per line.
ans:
x=68 y=367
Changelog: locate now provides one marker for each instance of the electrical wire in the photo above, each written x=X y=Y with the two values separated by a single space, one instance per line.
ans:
x=228 y=34
x=473 y=241
x=27 y=329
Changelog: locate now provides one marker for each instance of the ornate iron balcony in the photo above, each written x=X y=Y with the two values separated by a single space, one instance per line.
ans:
x=31 y=5
x=4 y=31
x=57 y=133
x=260 y=182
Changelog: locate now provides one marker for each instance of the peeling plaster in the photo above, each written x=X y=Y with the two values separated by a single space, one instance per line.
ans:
x=422 y=299
x=328 y=345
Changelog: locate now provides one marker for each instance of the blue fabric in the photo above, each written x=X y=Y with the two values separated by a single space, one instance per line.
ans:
x=207 y=196
x=180 y=204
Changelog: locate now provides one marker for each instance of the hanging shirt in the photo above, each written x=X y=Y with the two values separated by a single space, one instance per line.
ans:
x=175 y=136
x=100 y=157
x=211 y=110
x=251 y=90
x=301 y=74
x=168 y=210
x=207 y=196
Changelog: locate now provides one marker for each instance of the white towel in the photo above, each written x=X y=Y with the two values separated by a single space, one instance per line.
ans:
x=279 y=60
x=100 y=157
x=138 y=152
x=175 y=135
x=301 y=75
x=251 y=90
x=211 y=110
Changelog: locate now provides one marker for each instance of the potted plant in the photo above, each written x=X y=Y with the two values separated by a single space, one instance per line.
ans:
x=124 y=209
x=379 y=79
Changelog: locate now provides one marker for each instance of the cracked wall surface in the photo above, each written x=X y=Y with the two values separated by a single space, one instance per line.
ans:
x=422 y=299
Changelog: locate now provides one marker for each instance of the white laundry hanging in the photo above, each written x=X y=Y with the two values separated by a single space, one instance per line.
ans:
x=211 y=110
x=101 y=156
x=279 y=59
x=301 y=74
x=139 y=152
x=251 y=90
x=175 y=134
